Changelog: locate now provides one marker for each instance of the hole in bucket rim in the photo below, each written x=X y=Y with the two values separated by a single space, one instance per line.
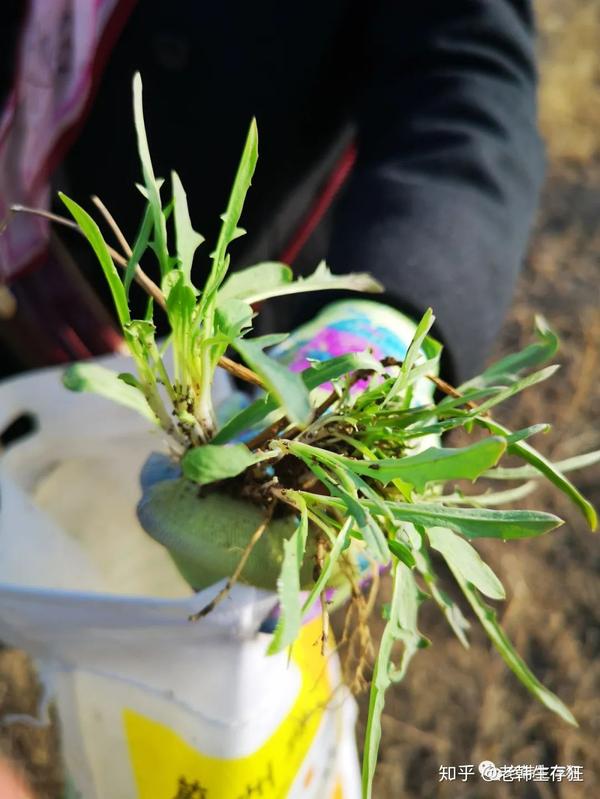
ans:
x=23 y=425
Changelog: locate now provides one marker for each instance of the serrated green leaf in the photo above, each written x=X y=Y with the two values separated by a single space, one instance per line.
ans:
x=462 y=557
x=91 y=377
x=434 y=464
x=233 y=317
x=244 y=284
x=187 y=239
x=322 y=279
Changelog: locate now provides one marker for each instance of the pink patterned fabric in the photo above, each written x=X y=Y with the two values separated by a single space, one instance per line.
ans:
x=53 y=80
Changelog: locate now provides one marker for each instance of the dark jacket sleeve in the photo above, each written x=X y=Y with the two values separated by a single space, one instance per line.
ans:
x=449 y=165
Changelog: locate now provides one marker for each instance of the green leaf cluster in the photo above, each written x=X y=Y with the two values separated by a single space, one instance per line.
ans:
x=204 y=321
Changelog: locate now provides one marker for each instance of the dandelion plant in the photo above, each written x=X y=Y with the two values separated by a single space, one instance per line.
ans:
x=330 y=475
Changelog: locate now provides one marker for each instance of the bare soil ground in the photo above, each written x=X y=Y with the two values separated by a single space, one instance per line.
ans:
x=456 y=706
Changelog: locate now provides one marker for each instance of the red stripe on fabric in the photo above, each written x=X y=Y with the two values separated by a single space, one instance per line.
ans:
x=321 y=205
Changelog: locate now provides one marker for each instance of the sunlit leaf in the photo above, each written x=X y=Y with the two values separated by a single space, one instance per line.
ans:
x=322 y=279
x=187 y=239
x=489 y=622
x=401 y=626
x=139 y=248
x=434 y=464
x=151 y=185
x=94 y=236
x=209 y=462
x=508 y=369
x=549 y=470
x=244 y=284
x=462 y=557
x=288 y=586
x=286 y=386
x=98 y=380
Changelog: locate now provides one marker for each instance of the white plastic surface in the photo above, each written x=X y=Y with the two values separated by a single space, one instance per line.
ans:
x=104 y=612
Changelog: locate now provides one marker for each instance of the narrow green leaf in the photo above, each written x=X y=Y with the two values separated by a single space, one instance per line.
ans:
x=453 y=614
x=401 y=625
x=529 y=472
x=402 y=552
x=97 y=379
x=209 y=462
x=527 y=432
x=411 y=356
x=332 y=557
x=372 y=534
x=92 y=233
x=478 y=522
x=508 y=369
x=489 y=622
x=151 y=185
x=288 y=586
x=548 y=469
x=462 y=557
x=515 y=388
x=312 y=378
x=139 y=248
x=229 y=230
x=187 y=239
x=286 y=386
x=471 y=522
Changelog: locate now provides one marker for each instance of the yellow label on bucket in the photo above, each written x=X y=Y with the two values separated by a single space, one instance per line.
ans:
x=167 y=767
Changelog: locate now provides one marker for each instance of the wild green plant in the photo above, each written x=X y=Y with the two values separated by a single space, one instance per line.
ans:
x=352 y=471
